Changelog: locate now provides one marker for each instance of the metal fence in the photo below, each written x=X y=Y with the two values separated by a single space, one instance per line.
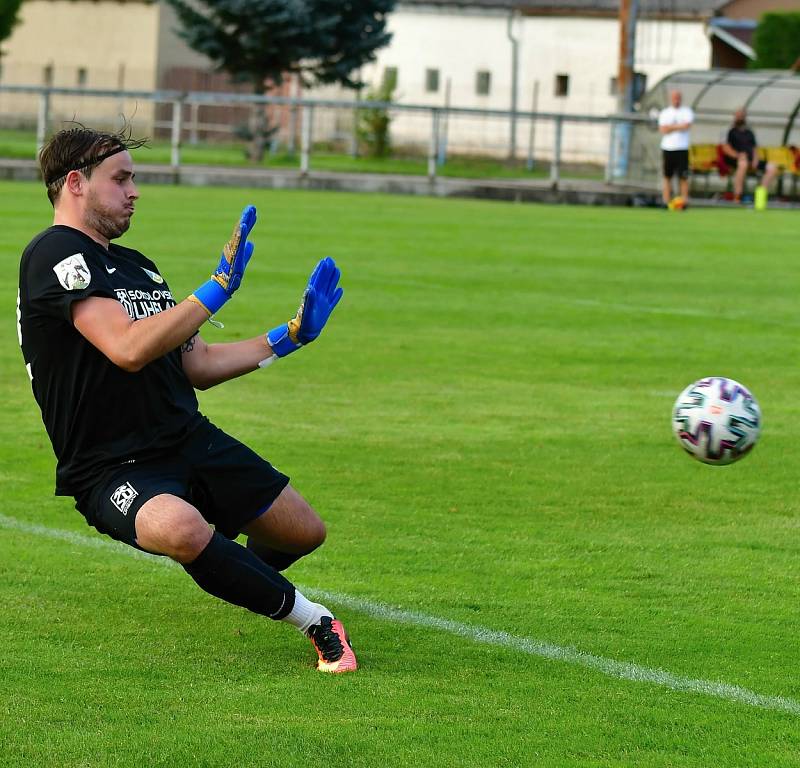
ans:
x=551 y=144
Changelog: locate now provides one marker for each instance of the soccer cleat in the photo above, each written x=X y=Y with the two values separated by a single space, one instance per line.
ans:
x=333 y=646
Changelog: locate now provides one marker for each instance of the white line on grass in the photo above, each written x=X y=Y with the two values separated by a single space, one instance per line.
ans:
x=618 y=669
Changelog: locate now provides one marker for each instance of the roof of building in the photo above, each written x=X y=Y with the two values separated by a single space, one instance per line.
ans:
x=647 y=8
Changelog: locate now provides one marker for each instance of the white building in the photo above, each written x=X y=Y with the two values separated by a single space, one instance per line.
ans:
x=461 y=52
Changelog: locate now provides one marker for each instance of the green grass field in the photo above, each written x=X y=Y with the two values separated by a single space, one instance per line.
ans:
x=22 y=145
x=485 y=426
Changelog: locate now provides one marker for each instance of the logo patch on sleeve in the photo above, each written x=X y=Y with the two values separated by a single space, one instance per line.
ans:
x=72 y=272
x=154 y=276
x=123 y=497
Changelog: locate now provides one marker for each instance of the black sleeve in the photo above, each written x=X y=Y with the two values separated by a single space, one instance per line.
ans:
x=730 y=140
x=63 y=268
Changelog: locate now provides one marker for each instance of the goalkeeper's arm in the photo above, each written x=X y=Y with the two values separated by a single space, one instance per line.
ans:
x=209 y=364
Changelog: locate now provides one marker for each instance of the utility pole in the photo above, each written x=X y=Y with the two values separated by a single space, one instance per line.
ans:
x=628 y=11
x=628 y=15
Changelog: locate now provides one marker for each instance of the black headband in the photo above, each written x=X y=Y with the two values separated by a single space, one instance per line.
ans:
x=94 y=161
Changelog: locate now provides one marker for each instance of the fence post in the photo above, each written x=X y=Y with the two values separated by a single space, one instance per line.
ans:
x=305 y=139
x=611 y=160
x=42 y=119
x=194 y=114
x=532 y=134
x=175 y=150
x=356 y=116
x=555 y=168
x=444 y=126
x=434 y=145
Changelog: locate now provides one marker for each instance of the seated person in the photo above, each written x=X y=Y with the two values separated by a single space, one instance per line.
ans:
x=741 y=155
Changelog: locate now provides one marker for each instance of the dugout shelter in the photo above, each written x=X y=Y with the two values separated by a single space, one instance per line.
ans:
x=772 y=101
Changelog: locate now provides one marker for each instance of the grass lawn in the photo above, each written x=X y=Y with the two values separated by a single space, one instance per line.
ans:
x=485 y=427
x=22 y=145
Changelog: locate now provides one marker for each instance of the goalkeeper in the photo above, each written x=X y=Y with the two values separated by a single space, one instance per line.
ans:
x=114 y=363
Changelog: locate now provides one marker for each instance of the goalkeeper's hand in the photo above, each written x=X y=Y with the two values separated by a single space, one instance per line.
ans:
x=321 y=296
x=227 y=277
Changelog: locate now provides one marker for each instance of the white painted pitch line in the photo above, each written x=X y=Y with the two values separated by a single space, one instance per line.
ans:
x=610 y=667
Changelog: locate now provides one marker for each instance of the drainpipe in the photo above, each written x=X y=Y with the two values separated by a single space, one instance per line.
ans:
x=514 y=81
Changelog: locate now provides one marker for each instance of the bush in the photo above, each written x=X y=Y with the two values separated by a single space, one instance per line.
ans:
x=373 y=124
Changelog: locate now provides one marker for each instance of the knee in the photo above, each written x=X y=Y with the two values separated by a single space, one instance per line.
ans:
x=314 y=530
x=318 y=534
x=189 y=539
x=180 y=533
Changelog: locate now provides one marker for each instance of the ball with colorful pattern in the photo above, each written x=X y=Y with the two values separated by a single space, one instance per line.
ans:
x=716 y=420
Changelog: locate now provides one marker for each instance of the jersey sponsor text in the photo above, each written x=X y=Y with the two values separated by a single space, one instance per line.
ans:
x=140 y=304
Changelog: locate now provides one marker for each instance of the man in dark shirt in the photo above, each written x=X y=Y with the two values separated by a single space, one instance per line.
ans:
x=741 y=155
x=114 y=362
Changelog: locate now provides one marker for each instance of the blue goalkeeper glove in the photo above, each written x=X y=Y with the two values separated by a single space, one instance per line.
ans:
x=236 y=253
x=321 y=296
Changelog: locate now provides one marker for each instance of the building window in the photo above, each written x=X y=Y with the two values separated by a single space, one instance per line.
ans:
x=639 y=86
x=431 y=80
x=483 y=82
x=562 y=85
x=47 y=75
x=81 y=77
x=390 y=78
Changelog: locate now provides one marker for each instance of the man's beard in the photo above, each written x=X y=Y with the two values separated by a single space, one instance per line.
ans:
x=101 y=219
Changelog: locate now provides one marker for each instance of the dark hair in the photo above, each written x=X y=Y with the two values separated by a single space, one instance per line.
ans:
x=80 y=149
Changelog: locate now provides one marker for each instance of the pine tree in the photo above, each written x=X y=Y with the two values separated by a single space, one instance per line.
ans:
x=263 y=41
x=9 y=10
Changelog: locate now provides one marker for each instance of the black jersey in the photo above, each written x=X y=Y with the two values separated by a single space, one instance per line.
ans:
x=96 y=414
x=742 y=140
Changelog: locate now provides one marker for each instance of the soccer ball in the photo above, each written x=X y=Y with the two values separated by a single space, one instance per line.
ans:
x=716 y=420
x=677 y=204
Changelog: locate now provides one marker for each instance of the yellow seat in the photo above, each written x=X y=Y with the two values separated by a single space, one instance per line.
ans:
x=702 y=157
x=783 y=157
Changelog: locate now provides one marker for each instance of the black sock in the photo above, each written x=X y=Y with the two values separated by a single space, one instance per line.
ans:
x=230 y=572
x=278 y=560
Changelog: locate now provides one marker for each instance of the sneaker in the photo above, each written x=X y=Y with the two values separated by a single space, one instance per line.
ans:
x=333 y=646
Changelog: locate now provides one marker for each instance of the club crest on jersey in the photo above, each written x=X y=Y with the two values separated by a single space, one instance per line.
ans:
x=154 y=276
x=123 y=497
x=72 y=272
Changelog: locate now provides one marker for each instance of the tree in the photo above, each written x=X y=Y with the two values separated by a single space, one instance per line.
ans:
x=263 y=41
x=777 y=40
x=9 y=10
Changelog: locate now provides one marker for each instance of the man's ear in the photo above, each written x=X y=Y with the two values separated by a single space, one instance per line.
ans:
x=74 y=182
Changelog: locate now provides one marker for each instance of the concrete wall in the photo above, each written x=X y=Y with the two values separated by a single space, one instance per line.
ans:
x=173 y=52
x=95 y=44
x=99 y=45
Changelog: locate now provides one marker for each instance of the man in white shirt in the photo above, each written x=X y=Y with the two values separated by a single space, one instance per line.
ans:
x=674 y=123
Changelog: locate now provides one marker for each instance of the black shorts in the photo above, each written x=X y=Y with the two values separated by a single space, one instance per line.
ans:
x=229 y=484
x=676 y=163
x=732 y=162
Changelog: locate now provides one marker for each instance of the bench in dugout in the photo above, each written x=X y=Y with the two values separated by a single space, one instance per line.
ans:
x=708 y=160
